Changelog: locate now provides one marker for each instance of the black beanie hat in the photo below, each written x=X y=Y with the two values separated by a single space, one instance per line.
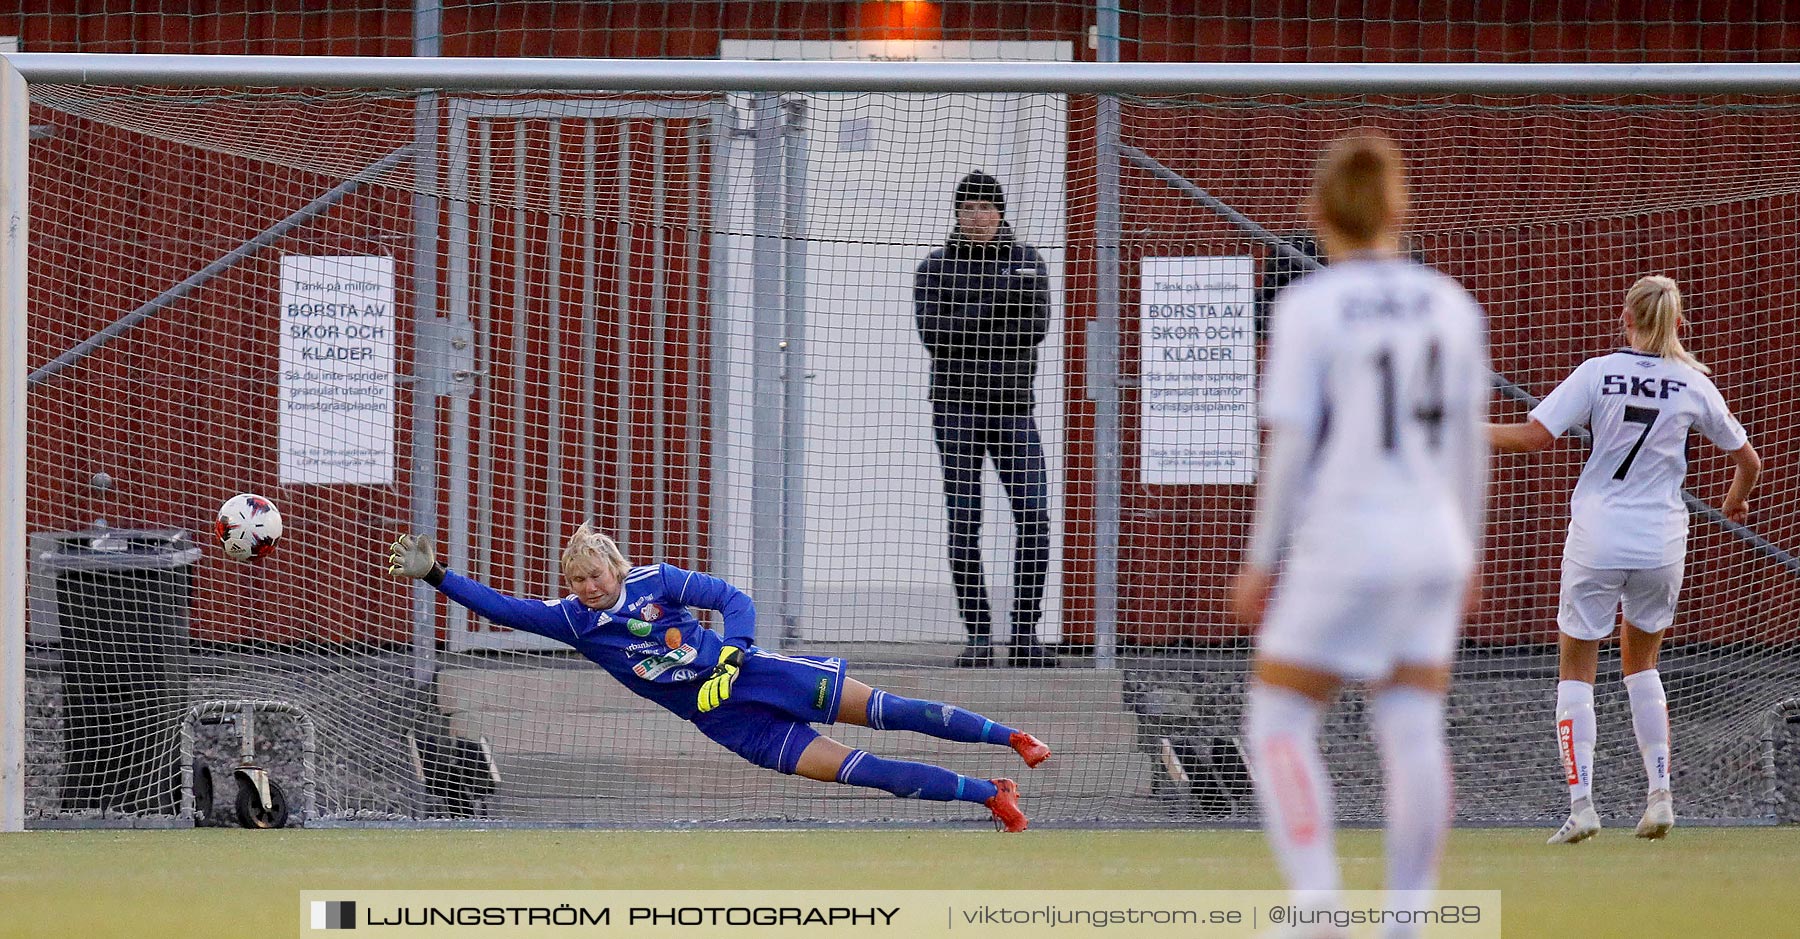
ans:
x=980 y=187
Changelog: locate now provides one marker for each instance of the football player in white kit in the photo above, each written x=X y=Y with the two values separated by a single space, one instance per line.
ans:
x=1372 y=492
x=1628 y=530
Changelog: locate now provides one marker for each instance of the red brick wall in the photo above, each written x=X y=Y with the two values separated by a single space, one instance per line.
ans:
x=1552 y=290
x=1548 y=287
x=180 y=411
x=1154 y=30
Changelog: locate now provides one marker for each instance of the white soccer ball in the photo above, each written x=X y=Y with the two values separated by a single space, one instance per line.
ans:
x=248 y=527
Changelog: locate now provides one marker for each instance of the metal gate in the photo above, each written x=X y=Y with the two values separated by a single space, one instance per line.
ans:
x=578 y=260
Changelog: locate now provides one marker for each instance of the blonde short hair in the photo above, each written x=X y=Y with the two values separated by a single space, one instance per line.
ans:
x=586 y=544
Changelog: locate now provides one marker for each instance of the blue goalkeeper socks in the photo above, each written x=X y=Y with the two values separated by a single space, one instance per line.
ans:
x=922 y=780
x=912 y=780
x=946 y=722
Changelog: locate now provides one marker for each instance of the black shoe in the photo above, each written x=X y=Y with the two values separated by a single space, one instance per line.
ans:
x=975 y=656
x=1029 y=653
x=1218 y=777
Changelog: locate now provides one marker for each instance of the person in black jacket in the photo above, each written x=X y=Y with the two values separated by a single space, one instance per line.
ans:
x=982 y=305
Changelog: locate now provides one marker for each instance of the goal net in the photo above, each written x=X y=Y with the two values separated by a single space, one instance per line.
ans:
x=693 y=320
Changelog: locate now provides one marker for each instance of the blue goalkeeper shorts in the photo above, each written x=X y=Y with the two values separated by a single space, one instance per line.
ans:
x=775 y=699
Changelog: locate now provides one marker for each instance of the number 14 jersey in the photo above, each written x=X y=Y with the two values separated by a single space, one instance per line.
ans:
x=1627 y=511
x=1379 y=368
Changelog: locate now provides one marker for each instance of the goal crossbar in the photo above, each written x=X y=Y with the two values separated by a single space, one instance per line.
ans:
x=326 y=71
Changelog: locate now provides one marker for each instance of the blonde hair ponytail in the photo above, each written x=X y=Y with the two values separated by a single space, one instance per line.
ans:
x=1359 y=188
x=1654 y=303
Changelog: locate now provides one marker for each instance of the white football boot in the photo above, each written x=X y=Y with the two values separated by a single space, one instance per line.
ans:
x=1583 y=823
x=1659 y=816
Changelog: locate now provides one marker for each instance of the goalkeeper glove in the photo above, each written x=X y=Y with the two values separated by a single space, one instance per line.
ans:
x=412 y=556
x=716 y=690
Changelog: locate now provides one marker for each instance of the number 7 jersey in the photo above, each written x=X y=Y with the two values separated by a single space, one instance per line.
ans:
x=1627 y=512
x=1378 y=376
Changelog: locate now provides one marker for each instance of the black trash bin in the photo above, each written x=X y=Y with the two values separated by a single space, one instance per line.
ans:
x=122 y=600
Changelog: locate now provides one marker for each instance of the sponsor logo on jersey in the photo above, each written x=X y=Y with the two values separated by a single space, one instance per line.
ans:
x=683 y=674
x=650 y=667
x=820 y=692
x=1639 y=386
x=637 y=626
x=1387 y=305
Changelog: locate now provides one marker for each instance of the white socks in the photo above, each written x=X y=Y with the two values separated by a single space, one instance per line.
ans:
x=1575 y=730
x=1294 y=791
x=1409 y=727
x=1575 y=735
x=1650 y=719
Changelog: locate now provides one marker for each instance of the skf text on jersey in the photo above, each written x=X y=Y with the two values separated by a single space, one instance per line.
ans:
x=1638 y=386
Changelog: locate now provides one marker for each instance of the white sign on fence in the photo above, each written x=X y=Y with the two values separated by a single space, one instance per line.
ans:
x=337 y=370
x=1197 y=345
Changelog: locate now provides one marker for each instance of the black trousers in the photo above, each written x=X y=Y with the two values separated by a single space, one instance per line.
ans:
x=965 y=440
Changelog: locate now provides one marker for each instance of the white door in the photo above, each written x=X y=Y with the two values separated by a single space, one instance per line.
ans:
x=882 y=169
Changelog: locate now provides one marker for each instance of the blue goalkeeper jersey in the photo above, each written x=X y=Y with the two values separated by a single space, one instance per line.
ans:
x=631 y=639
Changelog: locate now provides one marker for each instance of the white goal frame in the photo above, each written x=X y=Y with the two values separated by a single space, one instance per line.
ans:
x=653 y=75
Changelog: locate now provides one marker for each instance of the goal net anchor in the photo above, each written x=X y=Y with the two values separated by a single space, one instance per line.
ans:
x=261 y=802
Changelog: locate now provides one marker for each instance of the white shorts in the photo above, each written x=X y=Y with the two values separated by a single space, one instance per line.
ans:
x=1362 y=631
x=1590 y=601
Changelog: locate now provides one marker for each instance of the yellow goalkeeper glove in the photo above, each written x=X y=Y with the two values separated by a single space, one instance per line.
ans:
x=716 y=690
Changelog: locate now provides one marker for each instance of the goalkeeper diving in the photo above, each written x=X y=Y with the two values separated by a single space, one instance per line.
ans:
x=636 y=622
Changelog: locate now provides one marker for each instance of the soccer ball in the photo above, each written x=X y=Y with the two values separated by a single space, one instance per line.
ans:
x=248 y=527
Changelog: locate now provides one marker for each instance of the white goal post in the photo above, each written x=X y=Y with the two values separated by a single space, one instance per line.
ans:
x=15 y=131
x=414 y=76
